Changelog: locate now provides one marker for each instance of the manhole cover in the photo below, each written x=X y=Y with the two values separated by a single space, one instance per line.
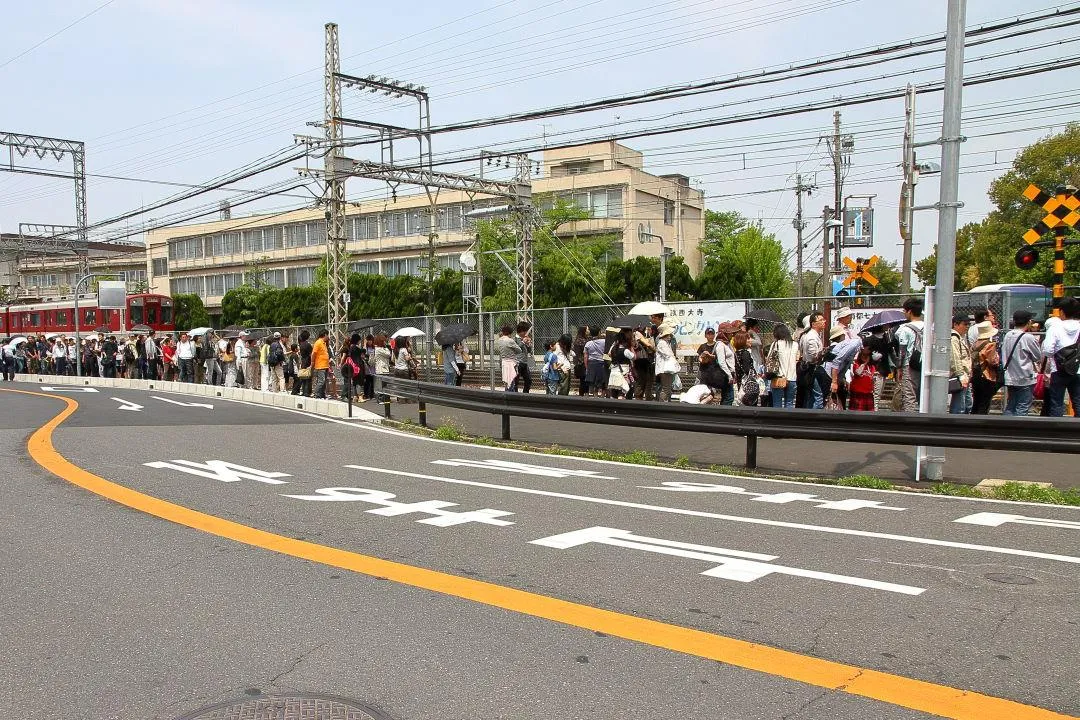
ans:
x=1010 y=579
x=287 y=707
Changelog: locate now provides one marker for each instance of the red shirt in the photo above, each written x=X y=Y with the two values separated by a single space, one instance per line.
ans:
x=167 y=354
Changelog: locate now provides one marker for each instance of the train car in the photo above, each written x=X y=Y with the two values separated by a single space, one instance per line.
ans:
x=155 y=311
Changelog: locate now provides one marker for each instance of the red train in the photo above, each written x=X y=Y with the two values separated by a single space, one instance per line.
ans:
x=155 y=311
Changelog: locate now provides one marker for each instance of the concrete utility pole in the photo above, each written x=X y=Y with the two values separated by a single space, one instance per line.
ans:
x=800 y=225
x=947 y=207
x=337 y=254
x=907 y=192
x=838 y=188
x=826 y=278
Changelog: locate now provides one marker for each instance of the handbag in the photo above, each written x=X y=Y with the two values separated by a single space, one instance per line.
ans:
x=955 y=385
x=304 y=373
x=779 y=383
x=1039 y=392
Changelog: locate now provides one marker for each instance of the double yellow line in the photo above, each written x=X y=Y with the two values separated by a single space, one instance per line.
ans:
x=904 y=692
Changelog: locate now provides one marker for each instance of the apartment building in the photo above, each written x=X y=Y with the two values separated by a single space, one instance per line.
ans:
x=390 y=236
x=28 y=271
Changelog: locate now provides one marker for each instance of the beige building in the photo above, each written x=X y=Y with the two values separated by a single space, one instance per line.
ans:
x=29 y=273
x=389 y=237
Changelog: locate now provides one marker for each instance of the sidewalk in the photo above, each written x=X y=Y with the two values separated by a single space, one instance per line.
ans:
x=789 y=457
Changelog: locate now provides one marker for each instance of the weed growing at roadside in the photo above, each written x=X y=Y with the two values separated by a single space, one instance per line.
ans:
x=1035 y=493
x=683 y=462
x=449 y=430
x=956 y=490
x=865 y=481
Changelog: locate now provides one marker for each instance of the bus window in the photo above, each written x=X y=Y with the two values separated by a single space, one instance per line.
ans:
x=89 y=318
x=35 y=319
x=61 y=317
x=166 y=313
x=151 y=314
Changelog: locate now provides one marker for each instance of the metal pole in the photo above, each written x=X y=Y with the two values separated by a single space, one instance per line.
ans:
x=947 y=207
x=909 y=185
x=663 y=272
x=838 y=190
x=798 y=237
x=491 y=348
x=78 y=341
x=826 y=280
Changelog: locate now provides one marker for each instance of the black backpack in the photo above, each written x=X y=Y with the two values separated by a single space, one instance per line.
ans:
x=1067 y=359
x=914 y=360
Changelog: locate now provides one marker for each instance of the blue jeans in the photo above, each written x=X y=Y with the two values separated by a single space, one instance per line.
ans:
x=784 y=397
x=960 y=402
x=449 y=377
x=1055 y=394
x=1018 y=400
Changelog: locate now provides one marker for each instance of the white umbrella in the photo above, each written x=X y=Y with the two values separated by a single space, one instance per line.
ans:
x=51 y=335
x=16 y=342
x=649 y=307
x=408 y=332
x=199 y=331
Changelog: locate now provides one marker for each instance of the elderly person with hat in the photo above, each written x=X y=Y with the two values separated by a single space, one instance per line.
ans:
x=838 y=361
x=960 y=397
x=843 y=318
x=667 y=365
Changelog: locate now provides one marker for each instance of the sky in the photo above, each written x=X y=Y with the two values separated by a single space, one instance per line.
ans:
x=186 y=91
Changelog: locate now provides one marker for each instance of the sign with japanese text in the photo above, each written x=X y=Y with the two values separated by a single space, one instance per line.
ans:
x=691 y=319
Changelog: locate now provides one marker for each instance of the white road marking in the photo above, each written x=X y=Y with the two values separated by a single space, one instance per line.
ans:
x=389 y=508
x=221 y=470
x=69 y=388
x=208 y=406
x=775 y=498
x=734 y=518
x=730 y=564
x=127 y=405
x=524 y=468
x=999 y=519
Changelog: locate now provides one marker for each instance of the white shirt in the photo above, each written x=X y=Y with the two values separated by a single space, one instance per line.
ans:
x=185 y=350
x=242 y=351
x=1059 y=335
x=810 y=346
x=696 y=395
x=59 y=351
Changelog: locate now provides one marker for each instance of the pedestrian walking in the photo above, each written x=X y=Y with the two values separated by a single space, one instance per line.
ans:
x=781 y=365
x=1022 y=354
x=667 y=365
x=960 y=397
x=1060 y=347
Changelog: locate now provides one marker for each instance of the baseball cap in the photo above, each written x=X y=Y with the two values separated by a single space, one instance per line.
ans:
x=277 y=334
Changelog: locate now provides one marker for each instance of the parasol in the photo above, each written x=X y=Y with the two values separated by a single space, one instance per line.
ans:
x=408 y=332
x=883 y=318
x=649 y=307
x=453 y=334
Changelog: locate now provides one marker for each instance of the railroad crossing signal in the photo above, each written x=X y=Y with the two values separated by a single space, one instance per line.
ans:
x=860 y=270
x=1062 y=213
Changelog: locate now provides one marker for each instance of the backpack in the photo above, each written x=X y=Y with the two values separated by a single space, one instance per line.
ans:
x=129 y=354
x=276 y=355
x=915 y=359
x=1067 y=359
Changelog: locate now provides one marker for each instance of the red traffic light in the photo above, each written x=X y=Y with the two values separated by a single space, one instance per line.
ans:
x=1027 y=258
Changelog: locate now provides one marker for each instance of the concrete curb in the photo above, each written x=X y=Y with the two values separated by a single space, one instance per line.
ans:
x=328 y=408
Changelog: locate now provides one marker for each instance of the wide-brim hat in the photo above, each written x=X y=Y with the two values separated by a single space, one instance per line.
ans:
x=837 y=333
x=665 y=329
x=843 y=313
x=986 y=330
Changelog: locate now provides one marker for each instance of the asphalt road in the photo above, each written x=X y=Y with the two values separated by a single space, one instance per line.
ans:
x=110 y=612
x=790 y=457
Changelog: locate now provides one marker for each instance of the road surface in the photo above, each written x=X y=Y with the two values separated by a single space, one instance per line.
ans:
x=158 y=556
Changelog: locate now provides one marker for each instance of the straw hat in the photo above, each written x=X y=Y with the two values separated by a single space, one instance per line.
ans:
x=986 y=330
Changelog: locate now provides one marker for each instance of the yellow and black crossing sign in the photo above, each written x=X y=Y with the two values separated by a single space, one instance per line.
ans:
x=1063 y=212
x=860 y=270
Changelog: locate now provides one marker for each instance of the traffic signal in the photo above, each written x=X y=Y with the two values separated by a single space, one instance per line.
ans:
x=1027 y=258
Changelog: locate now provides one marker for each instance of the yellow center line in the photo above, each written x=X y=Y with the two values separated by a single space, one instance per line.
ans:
x=926 y=697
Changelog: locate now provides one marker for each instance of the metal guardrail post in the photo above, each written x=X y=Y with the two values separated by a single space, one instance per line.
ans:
x=751 y=452
x=386 y=407
x=506 y=426
x=422 y=410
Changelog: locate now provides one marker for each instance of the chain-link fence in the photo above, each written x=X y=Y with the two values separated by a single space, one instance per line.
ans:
x=551 y=323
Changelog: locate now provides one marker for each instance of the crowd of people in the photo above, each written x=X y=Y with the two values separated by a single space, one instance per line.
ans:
x=812 y=367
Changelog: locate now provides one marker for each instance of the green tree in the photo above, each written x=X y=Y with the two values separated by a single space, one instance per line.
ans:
x=1048 y=163
x=741 y=260
x=189 y=312
x=890 y=279
x=239 y=306
x=638 y=279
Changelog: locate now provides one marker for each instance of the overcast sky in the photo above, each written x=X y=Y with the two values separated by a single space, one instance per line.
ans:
x=184 y=91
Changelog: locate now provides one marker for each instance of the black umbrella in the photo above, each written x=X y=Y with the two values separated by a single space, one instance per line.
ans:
x=453 y=334
x=630 y=321
x=883 y=318
x=102 y=329
x=361 y=325
x=764 y=315
x=141 y=329
x=232 y=329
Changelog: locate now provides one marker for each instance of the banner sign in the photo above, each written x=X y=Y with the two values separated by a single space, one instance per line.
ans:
x=692 y=318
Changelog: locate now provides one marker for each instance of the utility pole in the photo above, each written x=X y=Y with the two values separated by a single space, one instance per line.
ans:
x=523 y=212
x=334 y=195
x=800 y=225
x=947 y=207
x=907 y=192
x=826 y=278
x=838 y=186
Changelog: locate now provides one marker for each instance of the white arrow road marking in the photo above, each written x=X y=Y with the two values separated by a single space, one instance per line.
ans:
x=127 y=405
x=184 y=404
x=524 y=468
x=390 y=508
x=774 y=498
x=69 y=388
x=730 y=564
x=735 y=518
x=998 y=519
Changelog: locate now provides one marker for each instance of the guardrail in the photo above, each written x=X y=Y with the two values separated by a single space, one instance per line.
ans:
x=980 y=432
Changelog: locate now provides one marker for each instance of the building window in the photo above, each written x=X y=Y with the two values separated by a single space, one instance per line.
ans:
x=401 y=266
x=316 y=233
x=300 y=277
x=669 y=212
x=370 y=267
x=396 y=224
